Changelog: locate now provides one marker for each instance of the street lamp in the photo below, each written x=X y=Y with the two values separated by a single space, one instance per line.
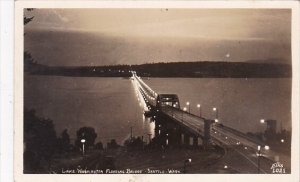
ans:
x=216 y=110
x=258 y=158
x=184 y=109
x=185 y=163
x=188 y=104
x=199 y=106
x=262 y=121
x=167 y=141
x=82 y=141
x=282 y=140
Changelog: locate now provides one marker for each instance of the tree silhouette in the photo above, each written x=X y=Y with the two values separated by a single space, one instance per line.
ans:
x=28 y=60
x=64 y=142
x=112 y=144
x=99 y=146
x=87 y=133
x=27 y=19
x=134 y=143
x=39 y=142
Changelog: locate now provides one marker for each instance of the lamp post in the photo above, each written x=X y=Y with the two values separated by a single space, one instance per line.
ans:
x=258 y=158
x=259 y=154
x=199 y=106
x=185 y=163
x=174 y=105
x=263 y=122
x=184 y=109
x=188 y=104
x=167 y=140
x=82 y=141
x=216 y=111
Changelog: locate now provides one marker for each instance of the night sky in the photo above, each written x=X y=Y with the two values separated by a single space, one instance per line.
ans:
x=76 y=37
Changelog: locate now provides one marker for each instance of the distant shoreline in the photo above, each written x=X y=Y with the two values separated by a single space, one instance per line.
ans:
x=170 y=70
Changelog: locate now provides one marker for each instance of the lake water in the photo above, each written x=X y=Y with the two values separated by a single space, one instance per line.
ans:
x=110 y=105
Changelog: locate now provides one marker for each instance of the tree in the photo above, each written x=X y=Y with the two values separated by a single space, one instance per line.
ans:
x=28 y=60
x=64 y=142
x=39 y=142
x=112 y=144
x=134 y=143
x=87 y=133
x=99 y=146
x=27 y=19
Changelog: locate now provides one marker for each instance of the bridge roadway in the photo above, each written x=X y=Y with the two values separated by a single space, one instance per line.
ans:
x=193 y=123
x=196 y=124
x=238 y=142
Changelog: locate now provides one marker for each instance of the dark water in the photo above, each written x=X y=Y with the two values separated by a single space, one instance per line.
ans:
x=110 y=105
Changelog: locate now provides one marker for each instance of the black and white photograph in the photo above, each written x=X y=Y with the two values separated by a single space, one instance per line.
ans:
x=160 y=90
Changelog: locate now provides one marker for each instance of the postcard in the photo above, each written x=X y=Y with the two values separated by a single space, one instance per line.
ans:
x=147 y=91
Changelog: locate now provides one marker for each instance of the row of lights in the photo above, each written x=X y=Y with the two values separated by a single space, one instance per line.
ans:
x=144 y=84
x=217 y=115
x=140 y=86
x=200 y=113
x=140 y=94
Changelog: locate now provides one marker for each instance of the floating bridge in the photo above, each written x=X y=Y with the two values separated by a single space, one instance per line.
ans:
x=179 y=127
x=165 y=108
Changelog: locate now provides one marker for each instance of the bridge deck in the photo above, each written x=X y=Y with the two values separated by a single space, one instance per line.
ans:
x=193 y=123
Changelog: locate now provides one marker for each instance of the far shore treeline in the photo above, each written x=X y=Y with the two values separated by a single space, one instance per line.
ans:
x=175 y=69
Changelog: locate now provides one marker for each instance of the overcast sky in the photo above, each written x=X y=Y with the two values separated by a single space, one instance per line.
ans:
x=135 y=36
